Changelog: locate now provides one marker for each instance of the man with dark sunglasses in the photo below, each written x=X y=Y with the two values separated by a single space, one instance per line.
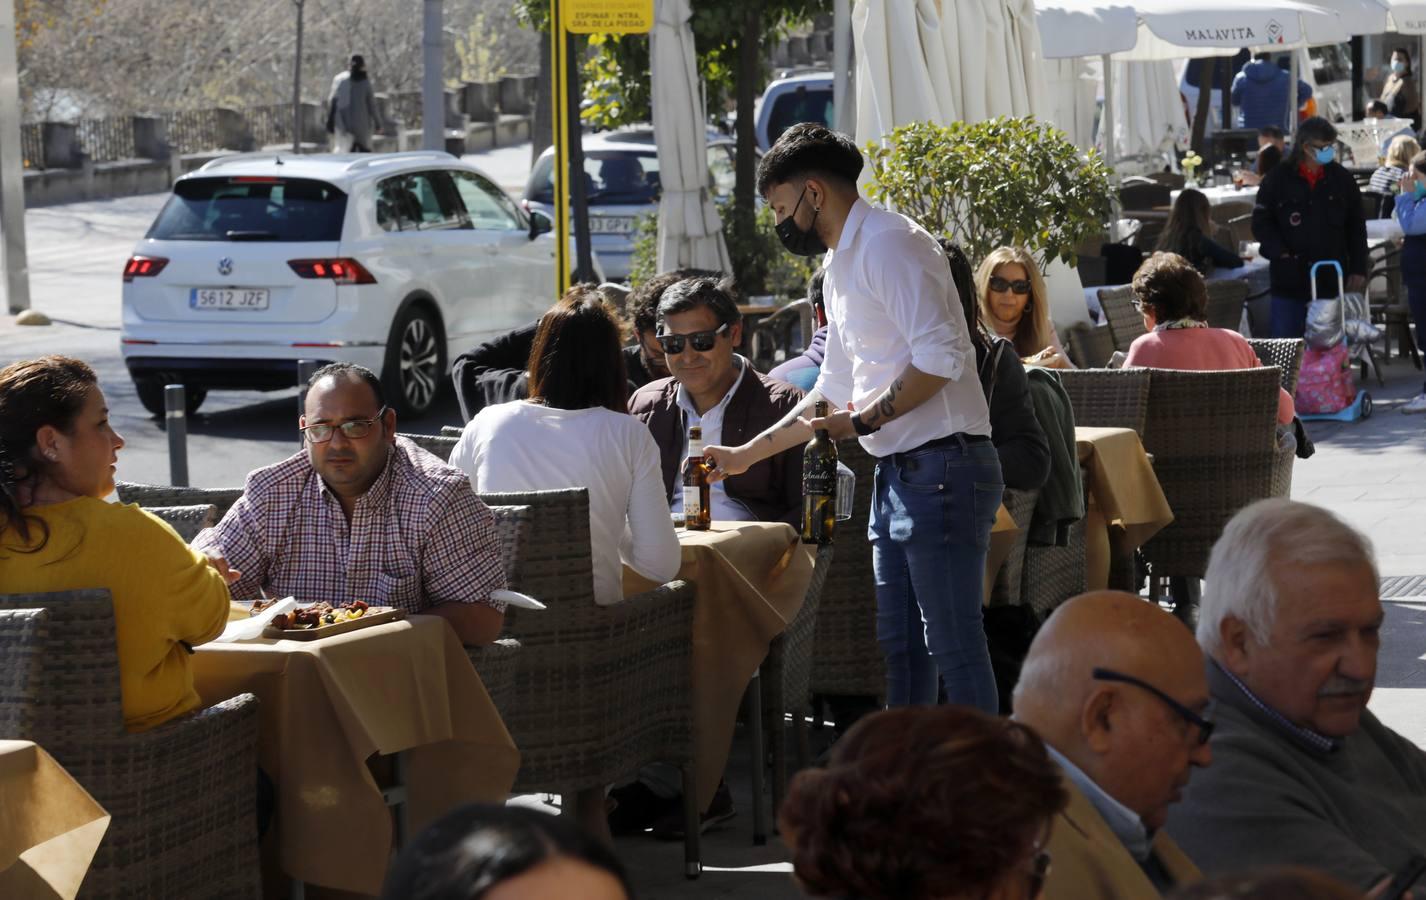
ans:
x=1116 y=688
x=699 y=329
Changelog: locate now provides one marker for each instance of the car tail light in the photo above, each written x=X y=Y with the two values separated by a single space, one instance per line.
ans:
x=143 y=267
x=342 y=270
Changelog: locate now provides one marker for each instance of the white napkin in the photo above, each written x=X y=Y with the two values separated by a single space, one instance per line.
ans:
x=251 y=627
x=516 y=599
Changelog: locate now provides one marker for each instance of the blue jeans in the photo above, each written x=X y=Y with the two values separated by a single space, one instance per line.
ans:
x=932 y=512
x=1289 y=317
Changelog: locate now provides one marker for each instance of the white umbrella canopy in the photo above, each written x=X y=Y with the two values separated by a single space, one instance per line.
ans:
x=1406 y=16
x=943 y=61
x=1174 y=29
x=1149 y=119
x=690 y=232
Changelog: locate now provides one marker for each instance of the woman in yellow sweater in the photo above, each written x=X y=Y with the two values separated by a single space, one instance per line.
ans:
x=57 y=458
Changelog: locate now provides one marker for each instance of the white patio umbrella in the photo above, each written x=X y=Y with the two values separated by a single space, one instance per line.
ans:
x=1149 y=115
x=690 y=233
x=943 y=61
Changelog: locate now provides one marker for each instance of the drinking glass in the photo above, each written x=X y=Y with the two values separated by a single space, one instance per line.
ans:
x=846 y=491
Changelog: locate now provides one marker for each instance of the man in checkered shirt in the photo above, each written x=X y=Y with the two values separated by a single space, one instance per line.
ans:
x=363 y=515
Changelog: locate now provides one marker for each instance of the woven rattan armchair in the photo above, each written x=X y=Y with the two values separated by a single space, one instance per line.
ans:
x=436 y=444
x=846 y=658
x=1214 y=444
x=786 y=677
x=187 y=520
x=1006 y=588
x=152 y=495
x=454 y=431
x=1108 y=398
x=24 y=634
x=1125 y=322
x=1053 y=574
x=495 y=663
x=1285 y=353
x=1225 y=302
x=181 y=795
x=599 y=690
x=1089 y=346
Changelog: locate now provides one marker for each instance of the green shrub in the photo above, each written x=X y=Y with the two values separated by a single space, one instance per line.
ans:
x=988 y=184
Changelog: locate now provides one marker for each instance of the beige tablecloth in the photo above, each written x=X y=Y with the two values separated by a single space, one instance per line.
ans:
x=1126 y=506
x=49 y=825
x=752 y=578
x=328 y=705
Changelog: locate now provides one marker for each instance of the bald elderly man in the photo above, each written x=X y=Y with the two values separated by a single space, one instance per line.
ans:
x=1304 y=773
x=1115 y=687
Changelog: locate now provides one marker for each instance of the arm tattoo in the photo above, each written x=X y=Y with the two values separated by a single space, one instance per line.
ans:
x=885 y=408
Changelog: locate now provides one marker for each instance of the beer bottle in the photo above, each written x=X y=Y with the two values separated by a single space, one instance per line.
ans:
x=819 y=485
x=697 y=505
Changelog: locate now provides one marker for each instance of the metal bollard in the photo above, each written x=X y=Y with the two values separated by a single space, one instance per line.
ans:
x=306 y=368
x=176 y=421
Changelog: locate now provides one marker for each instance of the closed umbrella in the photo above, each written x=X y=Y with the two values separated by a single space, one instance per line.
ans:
x=690 y=233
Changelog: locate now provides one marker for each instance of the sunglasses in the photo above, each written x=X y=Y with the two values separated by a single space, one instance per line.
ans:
x=1205 y=727
x=702 y=341
x=1020 y=286
x=356 y=428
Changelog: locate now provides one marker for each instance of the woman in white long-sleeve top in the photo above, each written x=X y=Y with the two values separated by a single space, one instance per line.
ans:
x=574 y=431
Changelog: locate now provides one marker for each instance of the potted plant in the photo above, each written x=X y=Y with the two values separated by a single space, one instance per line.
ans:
x=988 y=184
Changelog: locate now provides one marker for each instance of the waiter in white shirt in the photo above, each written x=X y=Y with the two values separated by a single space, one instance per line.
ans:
x=900 y=371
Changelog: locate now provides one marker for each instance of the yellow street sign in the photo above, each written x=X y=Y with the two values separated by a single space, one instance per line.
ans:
x=608 y=16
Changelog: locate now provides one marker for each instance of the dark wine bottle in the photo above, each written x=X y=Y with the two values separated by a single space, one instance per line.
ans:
x=819 y=485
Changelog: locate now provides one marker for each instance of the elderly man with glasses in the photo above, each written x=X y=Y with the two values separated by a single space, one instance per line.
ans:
x=699 y=329
x=360 y=514
x=1303 y=773
x=1115 y=686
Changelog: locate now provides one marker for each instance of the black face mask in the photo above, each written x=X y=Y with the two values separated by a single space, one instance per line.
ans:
x=794 y=239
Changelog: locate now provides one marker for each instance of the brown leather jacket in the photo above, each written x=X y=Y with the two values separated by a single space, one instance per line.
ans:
x=771 y=489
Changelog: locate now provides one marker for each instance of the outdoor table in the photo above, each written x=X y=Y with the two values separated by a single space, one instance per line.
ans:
x=49 y=825
x=1384 y=230
x=1224 y=193
x=1125 y=507
x=752 y=578
x=326 y=706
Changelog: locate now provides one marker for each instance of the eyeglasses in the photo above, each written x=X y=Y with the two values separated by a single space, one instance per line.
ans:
x=1205 y=727
x=1020 y=286
x=356 y=428
x=1038 y=870
x=702 y=341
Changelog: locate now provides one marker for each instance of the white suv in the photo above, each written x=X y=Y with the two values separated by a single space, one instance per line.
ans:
x=393 y=261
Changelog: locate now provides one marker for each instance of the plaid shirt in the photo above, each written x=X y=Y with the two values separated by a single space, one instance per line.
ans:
x=419 y=537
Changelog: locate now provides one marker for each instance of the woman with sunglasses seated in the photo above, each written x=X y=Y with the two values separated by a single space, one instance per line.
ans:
x=1016 y=305
x=926 y=803
x=574 y=431
x=57 y=457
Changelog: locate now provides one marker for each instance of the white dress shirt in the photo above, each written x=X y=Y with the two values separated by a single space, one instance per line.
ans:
x=724 y=508
x=526 y=446
x=890 y=301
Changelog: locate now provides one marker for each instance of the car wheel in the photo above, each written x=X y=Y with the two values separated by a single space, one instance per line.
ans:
x=150 y=390
x=415 y=362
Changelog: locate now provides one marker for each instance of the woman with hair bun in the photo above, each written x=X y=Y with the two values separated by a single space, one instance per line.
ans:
x=926 y=803
x=58 y=452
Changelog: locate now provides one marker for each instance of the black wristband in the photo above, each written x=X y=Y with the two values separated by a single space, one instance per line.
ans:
x=862 y=428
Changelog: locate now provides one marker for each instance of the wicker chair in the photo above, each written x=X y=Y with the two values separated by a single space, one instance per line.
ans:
x=1125 y=322
x=187 y=520
x=152 y=495
x=454 y=431
x=24 y=634
x=1010 y=579
x=846 y=658
x=786 y=677
x=1213 y=440
x=437 y=444
x=1240 y=228
x=599 y=690
x=181 y=795
x=1089 y=346
x=495 y=663
x=1224 y=213
x=1108 y=398
x=774 y=333
x=1285 y=353
x=1225 y=303
x=1052 y=575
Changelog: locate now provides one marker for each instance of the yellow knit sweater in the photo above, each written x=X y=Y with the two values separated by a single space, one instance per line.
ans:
x=163 y=593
